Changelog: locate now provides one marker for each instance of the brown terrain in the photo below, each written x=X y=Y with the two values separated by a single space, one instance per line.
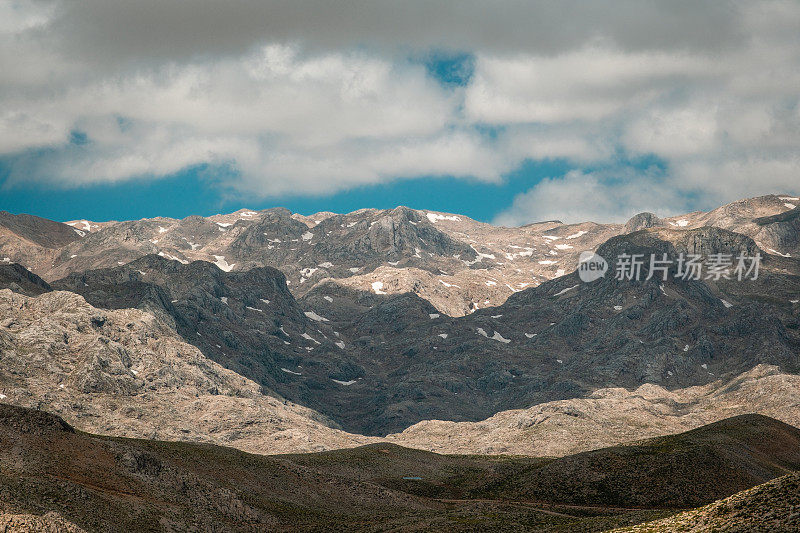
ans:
x=773 y=506
x=54 y=476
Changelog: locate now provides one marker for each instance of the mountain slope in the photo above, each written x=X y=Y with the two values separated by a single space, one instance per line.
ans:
x=683 y=470
x=773 y=506
x=19 y=279
x=101 y=483
x=378 y=363
x=36 y=230
x=611 y=416
x=564 y=338
x=107 y=399
x=247 y=321
x=128 y=485
x=126 y=373
x=105 y=484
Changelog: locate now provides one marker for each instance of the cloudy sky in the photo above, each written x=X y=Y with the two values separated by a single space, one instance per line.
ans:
x=508 y=111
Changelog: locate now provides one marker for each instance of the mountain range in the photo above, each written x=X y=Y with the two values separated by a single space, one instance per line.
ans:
x=282 y=333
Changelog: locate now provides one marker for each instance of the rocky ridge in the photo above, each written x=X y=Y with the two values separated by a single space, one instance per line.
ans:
x=460 y=264
x=126 y=373
x=611 y=416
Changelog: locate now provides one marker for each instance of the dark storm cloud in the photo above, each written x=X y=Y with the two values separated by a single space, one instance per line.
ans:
x=113 y=31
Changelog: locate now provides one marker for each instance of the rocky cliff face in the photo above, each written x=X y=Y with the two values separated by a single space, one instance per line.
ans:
x=126 y=373
x=247 y=321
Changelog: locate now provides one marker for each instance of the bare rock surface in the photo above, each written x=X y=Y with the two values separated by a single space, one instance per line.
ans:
x=125 y=373
x=50 y=522
x=611 y=416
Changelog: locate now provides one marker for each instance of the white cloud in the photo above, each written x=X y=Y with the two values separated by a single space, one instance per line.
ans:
x=732 y=178
x=604 y=196
x=315 y=97
x=674 y=132
x=328 y=121
x=589 y=84
x=581 y=143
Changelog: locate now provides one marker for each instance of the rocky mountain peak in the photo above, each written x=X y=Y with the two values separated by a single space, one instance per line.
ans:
x=37 y=230
x=643 y=221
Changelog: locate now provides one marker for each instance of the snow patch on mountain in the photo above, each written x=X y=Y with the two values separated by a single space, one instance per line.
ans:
x=222 y=264
x=314 y=316
x=310 y=338
x=496 y=336
x=499 y=338
x=776 y=252
x=168 y=256
x=559 y=293
x=433 y=217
